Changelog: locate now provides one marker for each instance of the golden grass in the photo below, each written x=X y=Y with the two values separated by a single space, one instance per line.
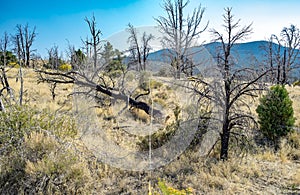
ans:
x=263 y=173
x=294 y=93
x=38 y=94
x=250 y=175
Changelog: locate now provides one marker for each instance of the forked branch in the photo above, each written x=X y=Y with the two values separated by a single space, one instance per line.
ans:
x=80 y=80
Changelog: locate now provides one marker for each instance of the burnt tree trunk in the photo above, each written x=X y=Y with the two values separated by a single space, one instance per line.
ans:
x=284 y=70
x=225 y=135
x=132 y=102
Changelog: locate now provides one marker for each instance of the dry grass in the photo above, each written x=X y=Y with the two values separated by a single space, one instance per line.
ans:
x=294 y=93
x=250 y=175
x=38 y=94
x=264 y=172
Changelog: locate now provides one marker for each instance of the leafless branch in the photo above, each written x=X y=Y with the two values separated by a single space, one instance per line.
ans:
x=179 y=31
x=81 y=80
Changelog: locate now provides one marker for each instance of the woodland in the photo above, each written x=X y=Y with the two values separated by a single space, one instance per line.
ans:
x=99 y=121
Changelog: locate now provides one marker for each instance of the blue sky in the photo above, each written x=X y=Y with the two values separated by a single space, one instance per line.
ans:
x=61 y=21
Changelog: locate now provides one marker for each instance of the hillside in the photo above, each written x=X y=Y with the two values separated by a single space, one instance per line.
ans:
x=255 y=170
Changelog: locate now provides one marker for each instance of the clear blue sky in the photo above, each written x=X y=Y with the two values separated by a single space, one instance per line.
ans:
x=60 y=21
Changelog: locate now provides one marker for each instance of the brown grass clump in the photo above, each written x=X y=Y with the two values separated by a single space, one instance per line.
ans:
x=140 y=115
x=61 y=168
x=296 y=179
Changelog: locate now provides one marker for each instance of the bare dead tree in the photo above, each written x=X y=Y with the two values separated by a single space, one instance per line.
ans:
x=236 y=86
x=134 y=46
x=270 y=61
x=4 y=81
x=23 y=41
x=139 y=52
x=284 y=53
x=3 y=47
x=291 y=39
x=53 y=57
x=146 y=47
x=95 y=87
x=179 y=31
x=95 y=40
x=4 y=42
x=86 y=47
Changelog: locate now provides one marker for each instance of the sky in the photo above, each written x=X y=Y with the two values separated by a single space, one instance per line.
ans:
x=61 y=22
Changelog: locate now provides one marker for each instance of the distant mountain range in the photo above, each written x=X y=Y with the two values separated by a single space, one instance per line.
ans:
x=251 y=54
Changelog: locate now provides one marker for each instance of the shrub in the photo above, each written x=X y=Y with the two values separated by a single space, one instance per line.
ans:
x=39 y=156
x=65 y=67
x=159 y=138
x=275 y=114
x=168 y=190
x=13 y=65
x=155 y=84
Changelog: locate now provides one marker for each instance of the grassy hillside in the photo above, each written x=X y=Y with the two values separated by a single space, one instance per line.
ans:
x=255 y=170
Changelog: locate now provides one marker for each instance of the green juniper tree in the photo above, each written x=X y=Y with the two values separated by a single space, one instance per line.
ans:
x=276 y=114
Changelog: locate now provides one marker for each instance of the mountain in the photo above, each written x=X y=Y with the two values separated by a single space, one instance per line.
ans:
x=251 y=54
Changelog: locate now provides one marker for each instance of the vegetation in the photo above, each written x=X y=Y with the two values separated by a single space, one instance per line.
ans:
x=38 y=154
x=276 y=114
x=10 y=58
x=227 y=95
x=167 y=190
x=44 y=143
x=65 y=67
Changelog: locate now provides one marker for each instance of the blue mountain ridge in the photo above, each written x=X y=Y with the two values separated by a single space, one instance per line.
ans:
x=250 y=54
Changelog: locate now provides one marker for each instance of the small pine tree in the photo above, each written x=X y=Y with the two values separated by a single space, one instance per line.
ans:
x=276 y=114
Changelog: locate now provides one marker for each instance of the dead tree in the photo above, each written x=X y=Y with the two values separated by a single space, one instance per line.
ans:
x=230 y=90
x=3 y=49
x=139 y=50
x=23 y=41
x=270 y=62
x=179 y=31
x=4 y=81
x=291 y=39
x=284 y=53
x=95 y=40
x=53 y=57
x=82 y=80
x=146 y=47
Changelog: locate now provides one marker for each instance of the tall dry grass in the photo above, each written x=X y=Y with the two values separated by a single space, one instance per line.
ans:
x=260 y=172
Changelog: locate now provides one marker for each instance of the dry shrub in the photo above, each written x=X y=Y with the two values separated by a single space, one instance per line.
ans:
x=155 y=84
x=290 y=146
x=293 y=139
x=52 y=168
x=40 y=155
x=296 y=178
x=140 y=115
x=55 y=167
x=267 y=155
